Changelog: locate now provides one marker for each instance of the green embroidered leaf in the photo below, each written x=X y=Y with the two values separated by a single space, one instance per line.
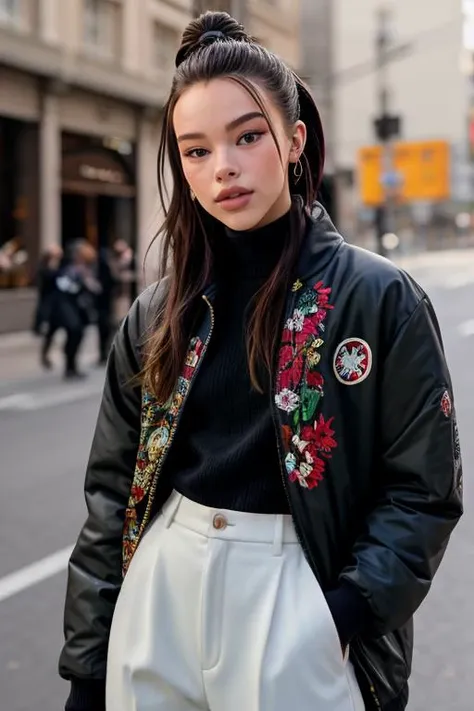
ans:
x=309 y=401
x=296 y=418
x=306 y=301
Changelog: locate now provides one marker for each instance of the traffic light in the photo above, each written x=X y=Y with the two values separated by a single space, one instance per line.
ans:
x=387 y=127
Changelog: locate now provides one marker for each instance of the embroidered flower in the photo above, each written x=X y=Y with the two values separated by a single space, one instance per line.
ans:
x=290 y=376
x=192 y=358
x=137 y=493
x=308 y=475
x=290 y=463
x=323 y=292
x=308 y=329
x=287 y=400
x=296 y=322
x=321 y=434
x=314 y=379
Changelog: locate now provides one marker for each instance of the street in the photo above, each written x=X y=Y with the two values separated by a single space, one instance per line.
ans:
x=45 y=432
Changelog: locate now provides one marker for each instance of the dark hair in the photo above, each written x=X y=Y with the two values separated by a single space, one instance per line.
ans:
x=214 y=46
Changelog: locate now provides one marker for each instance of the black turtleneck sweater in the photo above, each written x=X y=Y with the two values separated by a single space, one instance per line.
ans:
x=225 y=453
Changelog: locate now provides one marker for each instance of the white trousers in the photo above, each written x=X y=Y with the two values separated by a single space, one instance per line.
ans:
x=220 y=611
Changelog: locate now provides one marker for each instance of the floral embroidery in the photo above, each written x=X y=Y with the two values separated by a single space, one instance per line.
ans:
x=308 y=439
x=157 y=422
x=287 y=400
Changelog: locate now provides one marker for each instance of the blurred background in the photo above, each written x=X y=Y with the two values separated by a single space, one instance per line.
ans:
x=82 y=89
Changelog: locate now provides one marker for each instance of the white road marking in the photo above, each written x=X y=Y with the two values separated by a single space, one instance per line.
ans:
x=466 y=328
x=17 y=401
x=35 y=573
x=41 y=400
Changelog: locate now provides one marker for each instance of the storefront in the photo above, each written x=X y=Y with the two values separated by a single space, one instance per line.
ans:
x=73 y=164
x=18 y=220
x=18 y=202
x=98 y=191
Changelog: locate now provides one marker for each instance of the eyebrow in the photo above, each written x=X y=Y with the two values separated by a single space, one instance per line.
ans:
x=229 y=127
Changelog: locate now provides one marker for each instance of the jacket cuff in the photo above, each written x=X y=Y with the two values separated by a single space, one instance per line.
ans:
x=86 y=695
x=350 y=610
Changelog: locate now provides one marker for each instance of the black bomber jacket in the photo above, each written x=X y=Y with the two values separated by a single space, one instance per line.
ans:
x=366 y=430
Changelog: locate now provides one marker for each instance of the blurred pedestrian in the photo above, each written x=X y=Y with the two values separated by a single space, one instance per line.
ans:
x=124 y=267
x=73 y=303
x=109 y=278
x=46 y=281
x=275 y=468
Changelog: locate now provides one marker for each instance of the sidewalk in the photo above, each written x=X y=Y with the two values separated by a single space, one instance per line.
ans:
x=20 y=359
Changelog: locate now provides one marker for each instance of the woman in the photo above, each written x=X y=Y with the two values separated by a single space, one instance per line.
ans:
x=291 y=455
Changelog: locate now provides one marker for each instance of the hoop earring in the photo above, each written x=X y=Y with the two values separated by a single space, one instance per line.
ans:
x=192 y=195
x=298 y=170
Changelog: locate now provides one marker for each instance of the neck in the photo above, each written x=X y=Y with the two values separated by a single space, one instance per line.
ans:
x=278 y=210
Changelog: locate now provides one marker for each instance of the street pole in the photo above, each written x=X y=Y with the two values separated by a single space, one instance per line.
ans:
x=387 y=127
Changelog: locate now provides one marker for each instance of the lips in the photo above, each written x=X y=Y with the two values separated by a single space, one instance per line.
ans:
x=232 y=194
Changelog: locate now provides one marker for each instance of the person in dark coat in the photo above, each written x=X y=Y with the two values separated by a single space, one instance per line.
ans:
x=73 y=305
x=109 y=280
x=46 y=279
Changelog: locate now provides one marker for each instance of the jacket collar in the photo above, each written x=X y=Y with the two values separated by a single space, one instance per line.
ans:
x=322 y=242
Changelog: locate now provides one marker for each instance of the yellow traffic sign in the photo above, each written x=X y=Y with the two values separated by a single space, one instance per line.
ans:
x=421 y=171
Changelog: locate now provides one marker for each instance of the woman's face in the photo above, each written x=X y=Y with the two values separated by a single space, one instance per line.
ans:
x=229 y=156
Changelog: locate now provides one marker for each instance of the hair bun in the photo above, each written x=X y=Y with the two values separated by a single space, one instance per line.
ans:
x=210 y=27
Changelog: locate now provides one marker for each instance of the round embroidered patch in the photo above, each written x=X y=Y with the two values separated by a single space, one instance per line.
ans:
x=446 y=404
x=352 y=361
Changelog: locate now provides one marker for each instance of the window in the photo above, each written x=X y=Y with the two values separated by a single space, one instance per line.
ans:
x=165 y=44
x=101 y=27
x=10 y=12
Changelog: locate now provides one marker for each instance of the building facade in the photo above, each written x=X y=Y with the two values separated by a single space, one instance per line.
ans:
x=82 y=87
x=274 y=23
x=317 y=63
x=427 y=89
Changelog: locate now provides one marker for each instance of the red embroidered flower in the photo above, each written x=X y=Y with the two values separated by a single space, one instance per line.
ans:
x=316 y=475
x=286 y=356
x=188 y=372
x=142 y=461
x=309 y=474
x=137 y=493
x=310 y=327
x=321 y=434
x=323 y=293
x=290 y=377
x=314 y=379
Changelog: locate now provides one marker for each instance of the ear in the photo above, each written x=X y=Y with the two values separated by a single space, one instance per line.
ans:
x=298 y=141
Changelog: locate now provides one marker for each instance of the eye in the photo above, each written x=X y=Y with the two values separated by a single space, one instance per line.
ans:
x=250 y=137
x=196 y=153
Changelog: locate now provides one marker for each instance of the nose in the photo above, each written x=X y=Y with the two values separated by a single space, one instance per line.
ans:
x=226 y=169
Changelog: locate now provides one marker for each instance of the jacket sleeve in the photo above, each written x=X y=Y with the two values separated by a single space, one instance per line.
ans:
x=95 y=571
x=419 y=477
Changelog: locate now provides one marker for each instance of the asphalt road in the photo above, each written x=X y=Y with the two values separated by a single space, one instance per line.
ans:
x=45 y=433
